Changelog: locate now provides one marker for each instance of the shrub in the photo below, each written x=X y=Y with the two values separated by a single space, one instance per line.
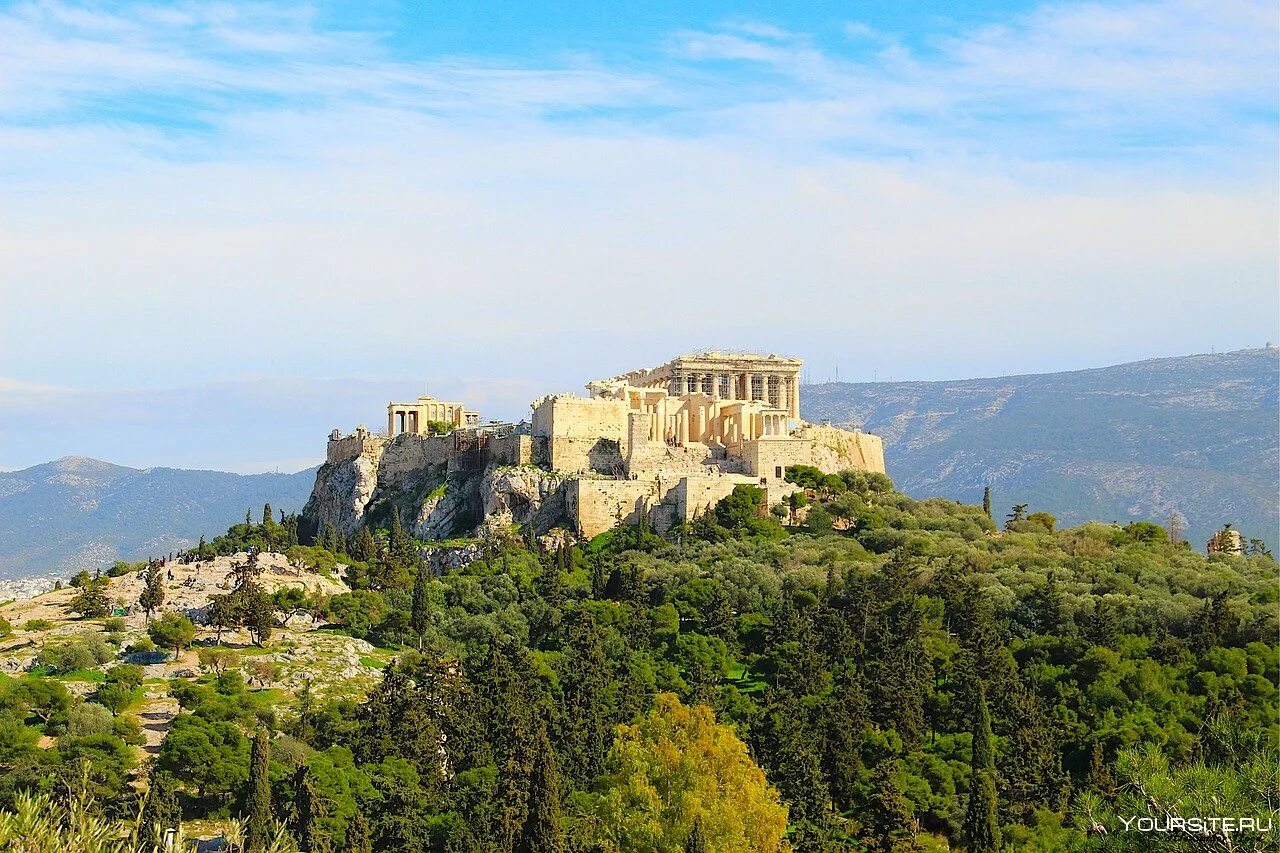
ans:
x=5 y=628
x=37 y=625
x=114 y=624
x=90 y=718
x=82 y=652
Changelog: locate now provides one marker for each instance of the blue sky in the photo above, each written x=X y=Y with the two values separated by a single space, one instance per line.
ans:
x=226 y=228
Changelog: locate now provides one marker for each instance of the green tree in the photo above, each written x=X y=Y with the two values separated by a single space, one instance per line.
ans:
x=172 y=630
x=91 y=601
x=257 y=613
x=981 y=823
x=363 y=548
x=358 y=836
x=151 y=598
x=258 y=797
x=420 y=615
x=889 y=826
x=308 y=810
x=542 y=831
x=585 y=680
x=986 y=501
x=160 y=809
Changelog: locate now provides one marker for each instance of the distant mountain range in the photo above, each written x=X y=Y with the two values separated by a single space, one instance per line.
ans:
x=81 y=512
x=1196 y=434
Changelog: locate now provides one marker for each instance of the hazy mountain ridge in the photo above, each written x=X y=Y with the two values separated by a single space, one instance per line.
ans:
x=79 y=511
x=1194 y=433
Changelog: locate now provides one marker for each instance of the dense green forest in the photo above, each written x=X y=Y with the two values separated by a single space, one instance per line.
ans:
x=853 y=670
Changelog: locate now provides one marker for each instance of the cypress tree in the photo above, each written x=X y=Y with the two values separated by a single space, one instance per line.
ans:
x=257 y=829
x=542 y=832
x=586 y=683
x=307 y=807
x=550 y=585
x=986 y=500
x=268 y=519
x=161 y=810
x=981 y=824
x=363 y=548
x=420 y=617
x=1100 y=777
x=152 y=596
x=846 y=718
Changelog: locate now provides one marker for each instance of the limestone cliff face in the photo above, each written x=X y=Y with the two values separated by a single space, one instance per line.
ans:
x=342 y=493
x=438 y=492
x=837 y=449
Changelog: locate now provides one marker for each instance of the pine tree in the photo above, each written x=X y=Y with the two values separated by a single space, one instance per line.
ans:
x=358 y=838
x=1100 y=777
x=308 y=811
x=420 y=617
x=889 y=827
x=542 y=831
x=981 y=824
x=160 y=811
x=257 y=829
x=151 y=598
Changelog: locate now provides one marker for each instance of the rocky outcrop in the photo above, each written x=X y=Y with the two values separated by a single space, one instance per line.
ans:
x=529 y=495
x=436 y=497
x=342 y=493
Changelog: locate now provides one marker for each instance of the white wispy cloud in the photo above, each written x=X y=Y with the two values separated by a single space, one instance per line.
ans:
x=193 y=192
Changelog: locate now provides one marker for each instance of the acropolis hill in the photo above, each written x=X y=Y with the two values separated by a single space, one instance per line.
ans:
x=664 y=443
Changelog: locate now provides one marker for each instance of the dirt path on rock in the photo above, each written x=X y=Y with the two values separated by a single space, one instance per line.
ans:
x=155 y=716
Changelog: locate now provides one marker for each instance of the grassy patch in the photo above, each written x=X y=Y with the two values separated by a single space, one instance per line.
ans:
x=83 y=675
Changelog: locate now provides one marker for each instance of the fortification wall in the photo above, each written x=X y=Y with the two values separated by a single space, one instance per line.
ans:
x=512 y=450
x=600 y=455
x=348 y=447
x=408 y=458
x=597 y=505
x=770 y=457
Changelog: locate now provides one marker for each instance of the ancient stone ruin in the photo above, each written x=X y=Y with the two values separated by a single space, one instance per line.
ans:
x=663 y=444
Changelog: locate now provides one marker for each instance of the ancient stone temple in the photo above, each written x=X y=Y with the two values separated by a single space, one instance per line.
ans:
x=662 y=443
x=415 y=418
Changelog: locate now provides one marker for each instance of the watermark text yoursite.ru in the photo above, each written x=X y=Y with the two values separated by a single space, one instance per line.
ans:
x=1196 y=825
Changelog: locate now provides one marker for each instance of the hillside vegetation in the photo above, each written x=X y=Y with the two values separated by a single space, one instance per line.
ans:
x=1132 y=442
x=857 y=670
